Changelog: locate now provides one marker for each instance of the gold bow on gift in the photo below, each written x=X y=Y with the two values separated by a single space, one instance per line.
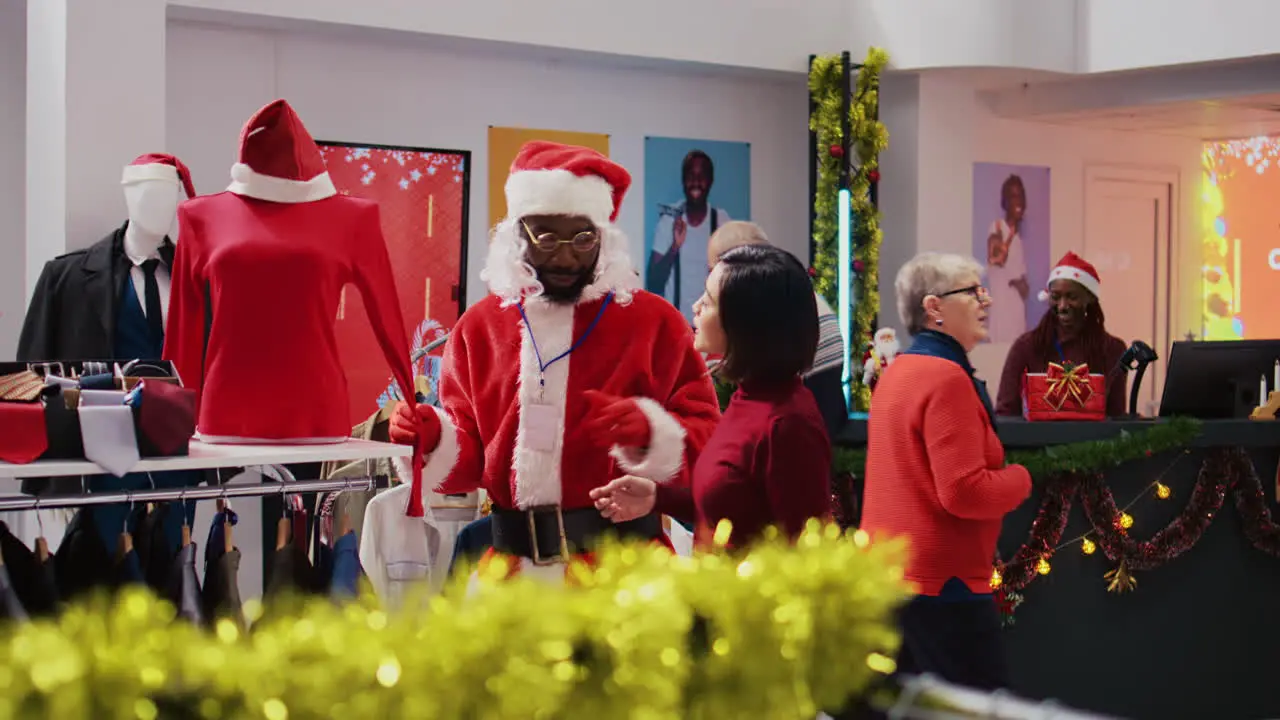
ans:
x=1067 y=382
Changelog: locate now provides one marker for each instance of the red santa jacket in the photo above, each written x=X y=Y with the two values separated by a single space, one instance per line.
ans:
x=640 y=348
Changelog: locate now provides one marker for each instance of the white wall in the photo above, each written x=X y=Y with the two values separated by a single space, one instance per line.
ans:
x=1131 y=34
x=760 y=34
x=412 y=94
x=927 y=34
x=937 y=130
x=13 y=176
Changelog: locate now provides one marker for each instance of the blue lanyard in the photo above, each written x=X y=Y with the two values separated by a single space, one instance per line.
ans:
x=1058 y=345
x=542 y=366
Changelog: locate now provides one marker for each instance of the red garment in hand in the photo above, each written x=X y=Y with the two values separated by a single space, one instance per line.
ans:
x=24 y=438
x=612 y=420
x=418 y=426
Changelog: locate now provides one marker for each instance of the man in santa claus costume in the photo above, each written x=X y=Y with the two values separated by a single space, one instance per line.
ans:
x=567 y=375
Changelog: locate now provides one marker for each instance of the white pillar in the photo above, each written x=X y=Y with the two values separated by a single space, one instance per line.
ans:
x=95 y=100
x=13 y=174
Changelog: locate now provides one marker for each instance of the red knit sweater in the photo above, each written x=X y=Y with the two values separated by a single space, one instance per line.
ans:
x=936 y=473
x=767 y=463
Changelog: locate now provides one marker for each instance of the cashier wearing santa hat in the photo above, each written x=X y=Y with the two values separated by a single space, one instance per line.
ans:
x=567 y=375
x=1072 y=330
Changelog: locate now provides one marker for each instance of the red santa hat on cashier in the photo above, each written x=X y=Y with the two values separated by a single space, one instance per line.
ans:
x=1076 y=269
x=279 y=161
x=549 y=178
x=159 y=166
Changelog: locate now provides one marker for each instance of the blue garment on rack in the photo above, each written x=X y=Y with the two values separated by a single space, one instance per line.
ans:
x=129 y=569
x=471 y=543
x=345 y=582
x=110 y=519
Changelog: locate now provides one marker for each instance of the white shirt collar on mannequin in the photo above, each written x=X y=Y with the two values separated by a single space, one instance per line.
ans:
x=139 y=245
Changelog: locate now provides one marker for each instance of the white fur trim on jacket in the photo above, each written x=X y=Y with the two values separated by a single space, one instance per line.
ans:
x=559 y=192
x=150 y=171
x=665 y=456
x=537 y=472
x=248 y=182
x=441 y=460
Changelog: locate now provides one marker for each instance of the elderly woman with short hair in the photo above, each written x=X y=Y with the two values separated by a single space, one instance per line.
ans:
x=936 y=474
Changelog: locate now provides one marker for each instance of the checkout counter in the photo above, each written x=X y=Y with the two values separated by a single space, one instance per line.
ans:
x=1191 y=636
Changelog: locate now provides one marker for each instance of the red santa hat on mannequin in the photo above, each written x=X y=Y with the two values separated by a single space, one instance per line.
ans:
x=1076 y=269
x=159 y=166
x=279 y=161
x=548 y=178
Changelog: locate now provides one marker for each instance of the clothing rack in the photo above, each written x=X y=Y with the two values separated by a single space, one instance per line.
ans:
x=182 y=494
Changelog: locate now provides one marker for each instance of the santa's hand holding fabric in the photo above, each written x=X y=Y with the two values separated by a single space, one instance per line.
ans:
x=568 y=375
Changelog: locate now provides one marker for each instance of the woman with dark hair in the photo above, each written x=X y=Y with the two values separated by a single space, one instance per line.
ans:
x=769 y=460
x=1073 y=330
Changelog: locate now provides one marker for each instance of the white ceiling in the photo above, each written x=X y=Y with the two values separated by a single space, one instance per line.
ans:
x=1221 y=119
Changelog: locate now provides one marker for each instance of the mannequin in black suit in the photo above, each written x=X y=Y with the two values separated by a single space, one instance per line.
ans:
x=108 y=302
x=76 y=303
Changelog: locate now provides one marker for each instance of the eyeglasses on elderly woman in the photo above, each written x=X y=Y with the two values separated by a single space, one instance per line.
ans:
x=977 y=291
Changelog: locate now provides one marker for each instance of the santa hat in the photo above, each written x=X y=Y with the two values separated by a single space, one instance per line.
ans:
x=159 y=166
x=1076 y=269
x=279 y=162
x=549 y=178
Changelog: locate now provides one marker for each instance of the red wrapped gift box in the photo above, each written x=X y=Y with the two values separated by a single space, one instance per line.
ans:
x=1065 y=392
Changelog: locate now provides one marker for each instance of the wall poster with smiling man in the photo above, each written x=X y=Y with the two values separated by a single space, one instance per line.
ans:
x=691 y=187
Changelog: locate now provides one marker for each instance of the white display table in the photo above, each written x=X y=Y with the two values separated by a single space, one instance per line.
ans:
x=204 y=456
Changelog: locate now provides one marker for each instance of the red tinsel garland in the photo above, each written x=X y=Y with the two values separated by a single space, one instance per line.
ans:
x=1216 y=475
x=1223 y=470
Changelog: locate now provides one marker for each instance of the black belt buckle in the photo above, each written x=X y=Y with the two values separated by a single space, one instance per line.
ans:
x=562 y=554
x=535 y=550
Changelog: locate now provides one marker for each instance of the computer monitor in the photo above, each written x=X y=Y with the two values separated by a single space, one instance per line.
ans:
x=1215 y=380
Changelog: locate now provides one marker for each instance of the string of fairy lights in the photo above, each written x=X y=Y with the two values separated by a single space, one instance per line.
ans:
x=1124 y=521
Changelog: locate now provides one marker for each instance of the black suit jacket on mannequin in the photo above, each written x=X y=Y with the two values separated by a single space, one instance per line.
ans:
x=72 y=315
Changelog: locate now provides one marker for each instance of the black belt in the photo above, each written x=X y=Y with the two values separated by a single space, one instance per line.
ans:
x=548 y=534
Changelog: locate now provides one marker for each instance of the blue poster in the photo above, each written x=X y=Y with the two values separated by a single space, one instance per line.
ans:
x=691 y=187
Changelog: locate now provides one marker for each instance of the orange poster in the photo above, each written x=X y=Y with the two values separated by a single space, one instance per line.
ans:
x=1240 y=241
x=505 y=142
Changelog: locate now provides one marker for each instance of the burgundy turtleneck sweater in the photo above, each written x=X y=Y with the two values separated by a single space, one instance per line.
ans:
x=767 y=463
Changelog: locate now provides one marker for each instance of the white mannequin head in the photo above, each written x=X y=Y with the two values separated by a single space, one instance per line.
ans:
x=153 y=205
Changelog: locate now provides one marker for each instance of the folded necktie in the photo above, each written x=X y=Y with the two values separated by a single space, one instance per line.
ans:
x=24 y=438
x=24 y=386
x=106 y=425
x=166 y=415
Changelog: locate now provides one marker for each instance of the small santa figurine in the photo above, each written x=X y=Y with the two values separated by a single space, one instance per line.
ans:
x=884 y=348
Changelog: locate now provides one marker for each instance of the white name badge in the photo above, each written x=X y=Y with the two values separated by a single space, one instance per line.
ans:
x=542 y=424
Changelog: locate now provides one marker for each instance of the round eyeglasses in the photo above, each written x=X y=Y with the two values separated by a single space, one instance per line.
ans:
x=584 y=241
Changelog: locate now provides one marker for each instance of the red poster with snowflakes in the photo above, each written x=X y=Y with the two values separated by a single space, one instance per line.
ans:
x=422 y=196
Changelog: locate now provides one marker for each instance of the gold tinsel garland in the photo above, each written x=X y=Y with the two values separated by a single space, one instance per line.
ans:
x=780 y=632
x=862 y=150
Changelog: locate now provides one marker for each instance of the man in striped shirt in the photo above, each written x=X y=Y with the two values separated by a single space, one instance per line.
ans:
x=823 y=378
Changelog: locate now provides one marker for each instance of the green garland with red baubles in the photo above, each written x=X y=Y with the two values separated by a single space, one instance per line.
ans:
x=861 y=151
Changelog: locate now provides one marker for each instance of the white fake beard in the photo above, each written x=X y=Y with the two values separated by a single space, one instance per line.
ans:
x=888 y=351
